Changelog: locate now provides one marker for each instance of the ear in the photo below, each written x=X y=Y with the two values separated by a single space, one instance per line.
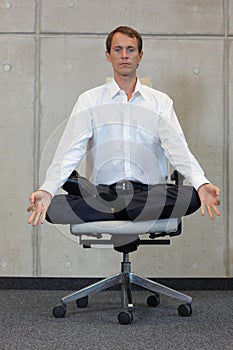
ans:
x=108 y=56
x=140 y=55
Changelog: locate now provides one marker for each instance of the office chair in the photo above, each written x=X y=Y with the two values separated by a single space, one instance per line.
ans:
x=124 y=237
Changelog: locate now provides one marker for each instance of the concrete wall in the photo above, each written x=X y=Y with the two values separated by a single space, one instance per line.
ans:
x=50 y=52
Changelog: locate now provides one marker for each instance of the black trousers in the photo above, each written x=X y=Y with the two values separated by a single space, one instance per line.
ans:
x=156 y=202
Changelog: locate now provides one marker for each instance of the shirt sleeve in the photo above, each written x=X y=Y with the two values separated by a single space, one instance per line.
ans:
x=71 y=148
x=175 y=146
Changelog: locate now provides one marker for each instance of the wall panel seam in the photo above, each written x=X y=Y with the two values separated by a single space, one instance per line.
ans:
x=226 y=133
x=37 y=108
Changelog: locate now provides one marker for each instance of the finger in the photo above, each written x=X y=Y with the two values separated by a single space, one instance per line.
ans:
x=30 y=207
x=32 y=198
x=217 y=212
x=202 y=209
x=43 y=215
x=217 y=190
x=36 y=219
x=31 y=218
x=210 y=212
x=217 y=196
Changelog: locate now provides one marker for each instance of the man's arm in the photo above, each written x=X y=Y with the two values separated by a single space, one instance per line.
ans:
x=71 y=148
x=178 y=153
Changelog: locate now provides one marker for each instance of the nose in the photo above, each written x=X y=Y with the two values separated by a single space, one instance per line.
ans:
x=124 y=53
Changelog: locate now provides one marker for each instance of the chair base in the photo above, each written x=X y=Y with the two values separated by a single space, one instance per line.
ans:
x=126 y=278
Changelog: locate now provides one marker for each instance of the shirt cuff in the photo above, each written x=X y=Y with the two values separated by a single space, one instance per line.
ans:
x=198 y=181
x=48 y=187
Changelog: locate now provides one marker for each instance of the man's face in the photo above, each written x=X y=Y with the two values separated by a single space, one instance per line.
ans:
x=124 y=55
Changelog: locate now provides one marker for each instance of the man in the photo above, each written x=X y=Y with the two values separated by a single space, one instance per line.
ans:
x=125 y=129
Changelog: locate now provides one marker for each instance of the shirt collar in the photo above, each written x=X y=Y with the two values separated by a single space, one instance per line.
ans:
x=115 y=89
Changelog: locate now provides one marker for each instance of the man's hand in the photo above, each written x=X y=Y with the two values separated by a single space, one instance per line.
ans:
x=39 y=203
x=209 y=197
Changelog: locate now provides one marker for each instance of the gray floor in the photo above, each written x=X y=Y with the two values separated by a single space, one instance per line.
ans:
x=27 y=322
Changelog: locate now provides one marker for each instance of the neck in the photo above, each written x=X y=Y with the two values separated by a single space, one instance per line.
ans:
x=126 y=84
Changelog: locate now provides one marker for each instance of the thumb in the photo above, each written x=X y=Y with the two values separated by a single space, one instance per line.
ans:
x=32 y=198
x=217 y=191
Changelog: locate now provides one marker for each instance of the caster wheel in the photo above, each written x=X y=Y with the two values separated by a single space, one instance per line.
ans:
x=153 y=300
x=125 y=317
x=185 y=310
x=59 y=311
x=82 y=302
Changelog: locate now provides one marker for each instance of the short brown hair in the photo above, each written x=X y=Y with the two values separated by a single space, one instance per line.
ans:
x=132 y=33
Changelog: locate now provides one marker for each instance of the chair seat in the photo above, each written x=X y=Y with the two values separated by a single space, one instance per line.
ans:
x=125 y=227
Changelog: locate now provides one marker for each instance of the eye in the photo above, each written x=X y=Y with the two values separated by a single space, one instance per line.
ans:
x=117 y=49
x=131 y=50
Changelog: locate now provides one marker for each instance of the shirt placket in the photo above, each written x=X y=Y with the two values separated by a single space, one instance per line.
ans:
x=127 y=142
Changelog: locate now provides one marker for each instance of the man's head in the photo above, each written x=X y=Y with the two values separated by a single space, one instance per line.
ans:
x=124 y=52
x=132 y=33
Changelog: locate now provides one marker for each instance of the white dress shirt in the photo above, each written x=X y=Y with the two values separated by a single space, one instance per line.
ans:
x=121 y=139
